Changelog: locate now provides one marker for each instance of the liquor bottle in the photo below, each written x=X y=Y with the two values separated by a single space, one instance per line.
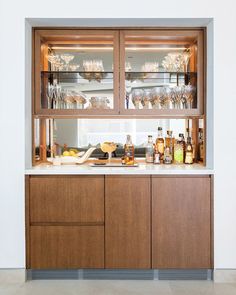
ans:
x=181 y=135
x=168 y=152
x=189 y=152
x=179 y=151
x=200 y=145
x=157 y=156
x=129 y=151
x=149 y=150
x=169 y=139
x=160 y=143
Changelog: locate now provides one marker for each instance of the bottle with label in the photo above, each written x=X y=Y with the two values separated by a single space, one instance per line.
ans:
x=179 y=152
x=157 y=156
x=129 y=151
x=201 y=145
x=168 y=152
x=160 y=143
x=149 y=150
x=189 y=152
x=181 y=135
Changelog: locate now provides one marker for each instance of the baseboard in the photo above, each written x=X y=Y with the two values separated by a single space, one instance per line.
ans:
x=120 y=274
x=225 y=275
x=12 y=276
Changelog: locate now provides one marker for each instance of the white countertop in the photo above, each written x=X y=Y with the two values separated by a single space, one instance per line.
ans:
x=142 y=169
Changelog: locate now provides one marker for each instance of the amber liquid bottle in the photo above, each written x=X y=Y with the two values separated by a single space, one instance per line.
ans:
x=189 y=152
x=201 y=146
x=129 y=151
x=168 y=153
x=160 y=143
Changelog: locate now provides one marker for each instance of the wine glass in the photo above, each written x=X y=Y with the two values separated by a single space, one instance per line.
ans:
x=186 y=57
x=189 y=94
x=137 y=95
x=54 y=60
x=164 y=97
x=178 y=96
x=67 y=58
x=146 y=98
x=155 y=97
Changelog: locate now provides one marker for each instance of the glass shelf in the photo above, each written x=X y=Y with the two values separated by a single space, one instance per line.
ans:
x=66 y=76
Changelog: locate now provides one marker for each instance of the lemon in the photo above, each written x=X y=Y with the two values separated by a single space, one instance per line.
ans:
x=66 y=153
x=72 y=153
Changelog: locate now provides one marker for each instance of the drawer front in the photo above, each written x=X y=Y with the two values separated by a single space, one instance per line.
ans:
x=67 y=199
x=67 y=247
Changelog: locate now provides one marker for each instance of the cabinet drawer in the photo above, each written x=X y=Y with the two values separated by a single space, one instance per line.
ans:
x=54 y=247
x=67 y=199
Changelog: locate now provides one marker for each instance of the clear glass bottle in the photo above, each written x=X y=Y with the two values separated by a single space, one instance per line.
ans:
x=160 y=143
x=129 y=151
x=189 y=152
x=168 y=153
x=149 y=153
x=179 y=152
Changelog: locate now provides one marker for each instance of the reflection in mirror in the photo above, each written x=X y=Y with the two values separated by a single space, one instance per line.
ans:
x=80 y=134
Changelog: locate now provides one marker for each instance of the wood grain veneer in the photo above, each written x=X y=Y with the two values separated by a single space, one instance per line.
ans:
x=67 y=247
x=67 y=199
x=181 y=222
x=127 y=222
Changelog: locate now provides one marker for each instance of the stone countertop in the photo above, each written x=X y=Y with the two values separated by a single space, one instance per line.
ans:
x=142 y=169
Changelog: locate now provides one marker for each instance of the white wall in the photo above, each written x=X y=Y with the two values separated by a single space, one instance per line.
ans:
x=12 y=109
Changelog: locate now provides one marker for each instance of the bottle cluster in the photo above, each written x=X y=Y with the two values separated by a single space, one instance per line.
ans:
x=169 y=150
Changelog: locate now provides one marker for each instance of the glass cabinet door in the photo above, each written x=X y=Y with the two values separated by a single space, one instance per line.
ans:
x=76 y=72
x=161 y=72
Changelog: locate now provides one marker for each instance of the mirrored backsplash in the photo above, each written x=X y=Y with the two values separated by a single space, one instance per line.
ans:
x=82 y=133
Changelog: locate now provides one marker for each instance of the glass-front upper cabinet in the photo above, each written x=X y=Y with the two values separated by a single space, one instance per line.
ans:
x=162 y=72
x=76 y=72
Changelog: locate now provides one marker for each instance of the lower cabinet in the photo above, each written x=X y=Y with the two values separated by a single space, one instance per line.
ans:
x=67 y=247
x=181 y=222
x=118 y=222
x=65 y=222
x=127 y=222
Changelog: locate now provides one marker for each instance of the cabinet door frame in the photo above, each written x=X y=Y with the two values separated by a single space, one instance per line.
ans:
x=121 y=226
x=158 y=241
x=178 y=34
x=39 y=58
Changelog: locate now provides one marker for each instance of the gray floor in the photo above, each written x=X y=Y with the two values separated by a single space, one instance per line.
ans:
x=117 y=288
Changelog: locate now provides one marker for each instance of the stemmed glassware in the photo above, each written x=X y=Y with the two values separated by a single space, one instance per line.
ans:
x=137 y=95
x=189 y=94
x=176 y=62
x=178 y=93
x=55 y=61
x=156 y=97
x=186 y=56
x=146 y=98
x=67 y=58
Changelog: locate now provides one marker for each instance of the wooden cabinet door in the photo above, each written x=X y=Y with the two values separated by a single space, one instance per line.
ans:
x=67 y=199
x=127 y=222
x=66 y=247
x=181 y=222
